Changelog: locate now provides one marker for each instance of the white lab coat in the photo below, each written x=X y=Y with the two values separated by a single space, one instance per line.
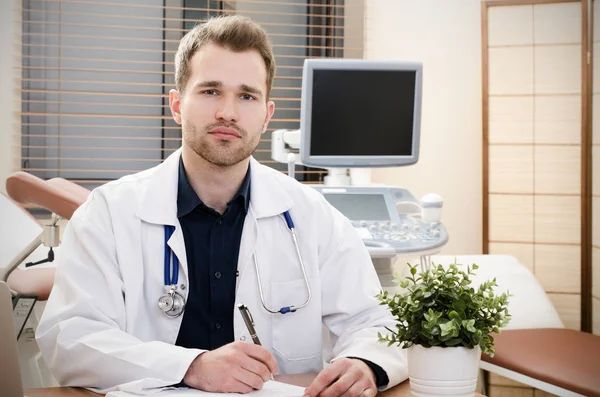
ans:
x=102 y=327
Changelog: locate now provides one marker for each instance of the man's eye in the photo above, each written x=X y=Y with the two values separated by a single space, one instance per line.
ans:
x=209 y=92
x=247 y=97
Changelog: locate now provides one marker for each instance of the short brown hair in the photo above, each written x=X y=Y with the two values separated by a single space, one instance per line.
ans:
x=235 y=33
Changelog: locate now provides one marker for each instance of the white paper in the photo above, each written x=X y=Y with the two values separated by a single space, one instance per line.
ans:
x=270 y=389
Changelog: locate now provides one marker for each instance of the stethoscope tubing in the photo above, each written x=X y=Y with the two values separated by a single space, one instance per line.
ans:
x=285 y=309
x=171 y=273
x=170 y=279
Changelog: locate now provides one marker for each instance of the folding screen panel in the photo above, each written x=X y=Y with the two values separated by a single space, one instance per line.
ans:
x=534 y=144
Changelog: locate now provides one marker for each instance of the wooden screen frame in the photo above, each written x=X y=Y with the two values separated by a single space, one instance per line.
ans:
x=586 y=140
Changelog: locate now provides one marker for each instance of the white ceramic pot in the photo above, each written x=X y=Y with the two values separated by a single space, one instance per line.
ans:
x=443 y=371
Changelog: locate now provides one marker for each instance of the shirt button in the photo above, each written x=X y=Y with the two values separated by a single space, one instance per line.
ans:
x=217 y=326
x=217 y=274
x=220 y=222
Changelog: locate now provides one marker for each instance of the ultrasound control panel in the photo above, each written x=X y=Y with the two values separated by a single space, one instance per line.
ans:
x=384 y=229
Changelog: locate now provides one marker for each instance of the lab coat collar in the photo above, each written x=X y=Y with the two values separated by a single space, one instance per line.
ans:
x=268 y=197
x=159 y=202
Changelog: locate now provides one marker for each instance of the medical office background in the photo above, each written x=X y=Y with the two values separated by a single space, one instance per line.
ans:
x=510 y=124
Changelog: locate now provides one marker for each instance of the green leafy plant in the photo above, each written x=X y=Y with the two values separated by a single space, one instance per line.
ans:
x=439 y=307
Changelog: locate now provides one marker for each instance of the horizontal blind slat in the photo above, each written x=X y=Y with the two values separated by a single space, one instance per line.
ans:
x=150 y=40
x=116 y=148
x=166 y=106
x=135 y=83
x=108 y=126
x=123 y=71
x=133 y=94
x=79 y=47
x=149 y=6
x=109 y=115
x=224 y=11
x=161 y=29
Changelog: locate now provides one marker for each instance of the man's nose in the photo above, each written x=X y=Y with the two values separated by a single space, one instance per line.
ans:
x=227 y=110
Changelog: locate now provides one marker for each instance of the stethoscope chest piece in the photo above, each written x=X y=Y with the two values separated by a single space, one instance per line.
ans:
x=172 y=302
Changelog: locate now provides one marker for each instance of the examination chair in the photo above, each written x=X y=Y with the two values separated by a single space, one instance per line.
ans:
x=57 y=195
x=535 y=348
x=26 y=241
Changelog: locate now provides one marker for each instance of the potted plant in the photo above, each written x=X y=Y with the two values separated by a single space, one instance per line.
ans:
x=445 y=323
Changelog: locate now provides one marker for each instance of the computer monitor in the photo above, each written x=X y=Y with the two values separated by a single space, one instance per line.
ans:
x=360 y=113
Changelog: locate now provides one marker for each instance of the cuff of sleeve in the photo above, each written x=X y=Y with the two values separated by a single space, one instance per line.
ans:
x=381 y=377
x=182 y=383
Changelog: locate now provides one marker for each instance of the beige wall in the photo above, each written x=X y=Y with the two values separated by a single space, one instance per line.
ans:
x=9 y=102
x=446 y=37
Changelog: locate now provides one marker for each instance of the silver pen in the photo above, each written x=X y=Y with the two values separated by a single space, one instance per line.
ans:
x=245 y=312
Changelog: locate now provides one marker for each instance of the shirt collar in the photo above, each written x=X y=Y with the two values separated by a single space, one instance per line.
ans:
x=187 y=199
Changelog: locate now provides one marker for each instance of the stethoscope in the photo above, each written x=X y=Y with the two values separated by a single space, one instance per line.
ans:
x=172 y=303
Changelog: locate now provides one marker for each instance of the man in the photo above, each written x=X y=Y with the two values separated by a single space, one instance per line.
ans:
x=220 y=213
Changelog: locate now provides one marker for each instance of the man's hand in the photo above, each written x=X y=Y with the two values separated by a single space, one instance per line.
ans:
x=346 y=377
x=237 y=367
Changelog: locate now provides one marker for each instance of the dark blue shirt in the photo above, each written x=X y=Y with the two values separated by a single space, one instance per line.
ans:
x=212 y=243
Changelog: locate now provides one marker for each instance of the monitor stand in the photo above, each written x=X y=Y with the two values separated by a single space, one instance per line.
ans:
x=340 y=177
x=336 y=177
x=360 y=177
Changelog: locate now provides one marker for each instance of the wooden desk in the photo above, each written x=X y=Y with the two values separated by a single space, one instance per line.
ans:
x=402 y=390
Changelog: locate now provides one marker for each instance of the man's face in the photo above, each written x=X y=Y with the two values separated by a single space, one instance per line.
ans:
x=223 y=110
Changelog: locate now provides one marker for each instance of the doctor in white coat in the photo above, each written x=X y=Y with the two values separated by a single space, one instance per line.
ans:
x=103 y=328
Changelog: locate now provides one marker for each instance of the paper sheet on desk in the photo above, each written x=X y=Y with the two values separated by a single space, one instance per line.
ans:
x=270 y=389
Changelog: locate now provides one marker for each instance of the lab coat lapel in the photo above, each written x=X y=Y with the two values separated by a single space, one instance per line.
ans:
x=268 y=198
x=247 y=245
x=158 y=205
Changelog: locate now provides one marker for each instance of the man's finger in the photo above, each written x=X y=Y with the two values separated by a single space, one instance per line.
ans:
x=370 y=392
x=323 y=380
x=261 y=354
x=360 y=389
x=255 y=366
x=248 y=378
x=239 y=387
x=342 y=385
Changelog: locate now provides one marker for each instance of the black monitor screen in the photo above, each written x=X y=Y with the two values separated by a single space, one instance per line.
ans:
x=362 y=113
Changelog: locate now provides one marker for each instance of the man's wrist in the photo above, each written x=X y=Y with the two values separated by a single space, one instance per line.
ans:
x=192 y=369
x=379 y=374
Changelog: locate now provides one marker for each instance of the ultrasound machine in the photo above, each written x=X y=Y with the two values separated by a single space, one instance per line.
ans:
x=357 y=115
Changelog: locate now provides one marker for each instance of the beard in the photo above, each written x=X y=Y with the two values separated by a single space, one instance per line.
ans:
x=222 y=153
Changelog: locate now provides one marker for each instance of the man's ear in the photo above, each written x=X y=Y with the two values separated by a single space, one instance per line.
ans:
x=270 y=111
x=175 y=105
